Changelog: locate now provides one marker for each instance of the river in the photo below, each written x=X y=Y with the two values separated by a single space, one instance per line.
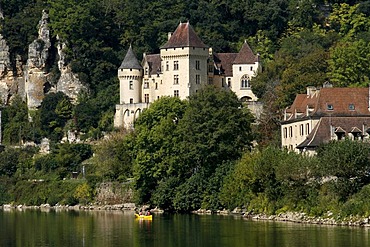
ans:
x=119 y=228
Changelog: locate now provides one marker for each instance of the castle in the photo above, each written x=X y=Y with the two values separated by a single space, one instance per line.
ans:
x=185 y=64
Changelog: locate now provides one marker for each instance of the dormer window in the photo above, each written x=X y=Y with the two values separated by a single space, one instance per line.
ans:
x=330 y=107
x=351 y=107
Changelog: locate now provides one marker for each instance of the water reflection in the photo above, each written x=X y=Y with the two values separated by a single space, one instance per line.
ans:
x=119 y=228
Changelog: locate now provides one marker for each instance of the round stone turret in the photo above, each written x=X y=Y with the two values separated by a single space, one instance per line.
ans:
x=130 y=77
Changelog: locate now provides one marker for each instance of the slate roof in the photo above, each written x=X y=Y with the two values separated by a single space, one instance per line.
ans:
x=154 y=61
x=130 y=61
x=245 y=55
x=322 y=132
x=184 y=36
x=225 y=62
x=343 y=101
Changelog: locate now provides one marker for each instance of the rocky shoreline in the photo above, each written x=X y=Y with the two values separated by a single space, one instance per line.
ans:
x=46 y=207
x=295 y=217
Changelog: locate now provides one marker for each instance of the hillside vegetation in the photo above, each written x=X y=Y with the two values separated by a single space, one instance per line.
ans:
x=199 y=160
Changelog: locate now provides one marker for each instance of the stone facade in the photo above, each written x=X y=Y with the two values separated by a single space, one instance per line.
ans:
x=325 y=114
x=183 y=66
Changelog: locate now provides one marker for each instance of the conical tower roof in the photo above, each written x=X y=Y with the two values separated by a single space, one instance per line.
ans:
x=130 y=61
x=245 y=55
x=184 y=36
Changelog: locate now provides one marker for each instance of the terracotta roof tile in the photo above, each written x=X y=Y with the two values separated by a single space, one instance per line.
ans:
x=245 y=55
x=332 y=102
x=184 y=36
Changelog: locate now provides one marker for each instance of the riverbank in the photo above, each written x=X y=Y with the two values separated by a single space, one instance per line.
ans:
x=295 y=217
x=46 y=207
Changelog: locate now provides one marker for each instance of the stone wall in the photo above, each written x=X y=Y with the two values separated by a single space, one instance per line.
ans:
x=113 y=193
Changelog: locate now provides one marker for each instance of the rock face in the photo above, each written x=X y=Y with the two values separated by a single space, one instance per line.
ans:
x=6 y=75
x=32 y=80
x=68 y=82
x=36 y=76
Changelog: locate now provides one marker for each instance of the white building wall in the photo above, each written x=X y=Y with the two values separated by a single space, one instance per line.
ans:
x=239 y=70
x=130 y=85
x=294 y=133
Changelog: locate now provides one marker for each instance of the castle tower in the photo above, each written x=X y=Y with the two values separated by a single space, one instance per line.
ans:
x=245 y=66
x=130 y=78
x=184 y=63
x=130 y=75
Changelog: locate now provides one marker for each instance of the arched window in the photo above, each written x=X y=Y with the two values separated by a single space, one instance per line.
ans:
x=245 y=82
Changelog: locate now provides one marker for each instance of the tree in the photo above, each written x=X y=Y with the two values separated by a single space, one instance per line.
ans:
x=215 y=128
x=349 y=63
x=348 y=163
x=113 y=159
x=55 y=110
x=156 y=157
x=15 y=123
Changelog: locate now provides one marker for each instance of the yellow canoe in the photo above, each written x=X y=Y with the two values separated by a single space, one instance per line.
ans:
x=144 y=217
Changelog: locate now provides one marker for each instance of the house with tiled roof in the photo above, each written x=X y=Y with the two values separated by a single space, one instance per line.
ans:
x=325 y=114
x=184 y=65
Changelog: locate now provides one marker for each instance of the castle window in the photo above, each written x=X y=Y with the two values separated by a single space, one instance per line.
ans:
x=146 y=98
x=176 y=79
x=210 y=80
x=245 y=82
x=307 y=128
x=131 y=101
x=197 y=65
x=175 y=65
x=240 y=68
x=301 y=129
x=156 y=86
x=222 y=82
x=146 y=70
x=210 y=68
x=229 y=82
x=167 y=66
x=197 y=79
x=146 y=83
x=176 y=93
x=131 y=85
x=290 y=131
x=285 y=132
x=251 y=68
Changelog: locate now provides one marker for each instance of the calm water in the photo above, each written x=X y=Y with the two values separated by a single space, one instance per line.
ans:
x=36 y=228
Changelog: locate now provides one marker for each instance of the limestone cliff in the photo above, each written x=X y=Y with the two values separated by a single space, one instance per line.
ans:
x=33 y=80
x=68 y=82
x=36 y=74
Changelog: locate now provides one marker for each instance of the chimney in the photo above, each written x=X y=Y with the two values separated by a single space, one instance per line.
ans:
x=311 y=91
x=169 y=35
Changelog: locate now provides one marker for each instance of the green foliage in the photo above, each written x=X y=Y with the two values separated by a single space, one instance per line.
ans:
x=185 y=148
x=55 y=110
x=37 y=192
x=83 y=193
x=349 y=63
x=70 y=156
x=113 y=158
x=13 y=159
